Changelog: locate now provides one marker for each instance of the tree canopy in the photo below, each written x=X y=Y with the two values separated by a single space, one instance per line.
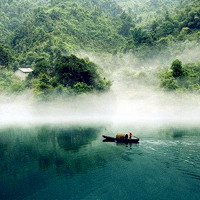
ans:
x=47 y=35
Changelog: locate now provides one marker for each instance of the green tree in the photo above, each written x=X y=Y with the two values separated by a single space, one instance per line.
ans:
x=71 y=70
x=41 y=66
x=4 y=56
x=42 y=86
x=104 y=85
x=168 y=81
x=80 y=74
x=127 y=24
x=176 y=67
x=82 y=88
x=140 y=36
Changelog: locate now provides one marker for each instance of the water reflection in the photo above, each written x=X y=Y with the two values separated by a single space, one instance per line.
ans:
x=73 y=139
x=179 y=132
x=39 y=153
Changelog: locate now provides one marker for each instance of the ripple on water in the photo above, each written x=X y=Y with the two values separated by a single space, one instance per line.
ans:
x=181 y=155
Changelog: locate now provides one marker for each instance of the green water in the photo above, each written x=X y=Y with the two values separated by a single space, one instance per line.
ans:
x=72 y=162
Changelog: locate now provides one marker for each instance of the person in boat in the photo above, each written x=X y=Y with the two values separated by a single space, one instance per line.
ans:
x=130 y=135
x=126 y=137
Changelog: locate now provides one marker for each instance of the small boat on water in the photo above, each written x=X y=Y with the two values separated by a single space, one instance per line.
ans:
x=113 y=139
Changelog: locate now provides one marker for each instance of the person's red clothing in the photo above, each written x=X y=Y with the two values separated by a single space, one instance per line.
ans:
x=130 y=134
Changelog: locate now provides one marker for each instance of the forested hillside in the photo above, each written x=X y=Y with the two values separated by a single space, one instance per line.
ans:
x=38 y=33
x=13 y=13
x=144 y=12
x=170 y=26
x=50 y=27
x=68 y=27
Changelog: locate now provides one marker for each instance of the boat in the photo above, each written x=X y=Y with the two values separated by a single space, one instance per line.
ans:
x=113 y=139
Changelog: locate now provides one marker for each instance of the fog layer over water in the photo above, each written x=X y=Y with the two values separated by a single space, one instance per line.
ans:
x=141 y=106
x=128 y=101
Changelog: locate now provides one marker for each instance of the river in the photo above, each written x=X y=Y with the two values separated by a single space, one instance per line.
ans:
x=59 y=162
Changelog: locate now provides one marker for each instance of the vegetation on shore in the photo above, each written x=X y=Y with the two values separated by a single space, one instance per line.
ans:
x=46 y=36
x=181 y=77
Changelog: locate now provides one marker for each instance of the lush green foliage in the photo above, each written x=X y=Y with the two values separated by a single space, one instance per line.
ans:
x=181 y=78
x=13 y=13
x=9 y=83
x=145 y=11
x=42 y=34
x=66 y=27
x=71 y=70
x=71 y=75
x=4 y=56
x=177 y=70
x=46 y=88
x=48 y=28
x=178 y=23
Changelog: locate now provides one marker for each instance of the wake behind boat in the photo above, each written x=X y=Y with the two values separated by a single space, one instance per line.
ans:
x=120 y=139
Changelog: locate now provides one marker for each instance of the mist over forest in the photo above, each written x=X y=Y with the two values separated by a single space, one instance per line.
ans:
x=100 y=60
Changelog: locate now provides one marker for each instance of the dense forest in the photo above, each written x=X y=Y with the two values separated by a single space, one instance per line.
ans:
x=47 y=36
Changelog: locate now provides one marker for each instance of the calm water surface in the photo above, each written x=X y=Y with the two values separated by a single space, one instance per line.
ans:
x=61 y=163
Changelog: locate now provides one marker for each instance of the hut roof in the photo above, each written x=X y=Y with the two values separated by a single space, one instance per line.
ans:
x=26 y=70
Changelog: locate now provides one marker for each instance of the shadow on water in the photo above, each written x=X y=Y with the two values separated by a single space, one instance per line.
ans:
x=121 y=144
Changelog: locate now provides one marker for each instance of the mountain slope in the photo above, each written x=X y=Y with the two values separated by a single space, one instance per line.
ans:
x=145 y=11
x=68 y=27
